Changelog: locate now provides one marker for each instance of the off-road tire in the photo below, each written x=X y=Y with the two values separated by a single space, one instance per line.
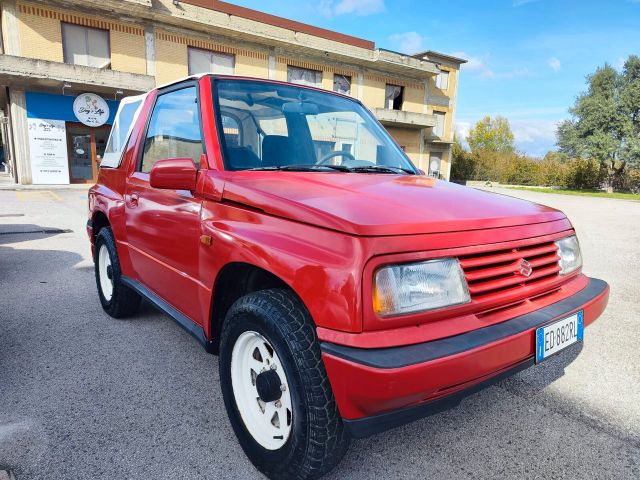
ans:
x=124 y=301
x=318 y=440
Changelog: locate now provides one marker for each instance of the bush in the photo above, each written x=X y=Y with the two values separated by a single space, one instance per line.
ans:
x=583 y=174
x=552 y=172
x=631 y=181
x=555 y=170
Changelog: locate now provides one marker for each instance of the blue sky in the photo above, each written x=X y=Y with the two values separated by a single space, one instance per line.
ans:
x=527 y=58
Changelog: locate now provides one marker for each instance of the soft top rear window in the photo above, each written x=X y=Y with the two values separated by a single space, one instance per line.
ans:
x=125 y=118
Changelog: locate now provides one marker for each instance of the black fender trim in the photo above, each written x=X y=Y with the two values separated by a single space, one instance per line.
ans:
x=182 y=320
x=398 y=357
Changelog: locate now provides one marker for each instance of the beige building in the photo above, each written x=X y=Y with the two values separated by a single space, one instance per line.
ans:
x=65 y=64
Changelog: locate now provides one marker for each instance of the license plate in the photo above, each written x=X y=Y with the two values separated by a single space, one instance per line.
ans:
x=559 y=335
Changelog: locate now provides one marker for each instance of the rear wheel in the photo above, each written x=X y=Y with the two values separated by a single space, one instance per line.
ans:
x=276 y=390
x=116 y=298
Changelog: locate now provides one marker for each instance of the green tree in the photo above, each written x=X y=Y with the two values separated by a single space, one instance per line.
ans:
x=605 y=123
x=491 y=135
x=463 y=166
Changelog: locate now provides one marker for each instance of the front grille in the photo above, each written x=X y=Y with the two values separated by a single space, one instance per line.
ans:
x=498 y=271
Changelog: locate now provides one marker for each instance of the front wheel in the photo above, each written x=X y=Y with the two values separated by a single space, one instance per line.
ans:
x=276 y=390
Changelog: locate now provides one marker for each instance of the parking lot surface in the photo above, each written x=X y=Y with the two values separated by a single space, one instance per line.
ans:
x=84 y=396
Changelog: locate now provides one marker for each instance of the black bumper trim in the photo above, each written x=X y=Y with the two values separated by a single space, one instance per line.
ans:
x=398 y=357
x=364 y=427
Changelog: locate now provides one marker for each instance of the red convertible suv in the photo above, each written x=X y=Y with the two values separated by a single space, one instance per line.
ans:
x=345 y=291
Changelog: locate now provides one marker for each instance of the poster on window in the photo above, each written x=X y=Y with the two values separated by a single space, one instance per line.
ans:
x=48 y=148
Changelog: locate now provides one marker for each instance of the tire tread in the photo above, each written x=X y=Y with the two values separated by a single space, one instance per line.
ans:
x=124 y=301
x=328 y=440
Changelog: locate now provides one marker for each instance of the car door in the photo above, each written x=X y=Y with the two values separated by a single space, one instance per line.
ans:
x=163 y=226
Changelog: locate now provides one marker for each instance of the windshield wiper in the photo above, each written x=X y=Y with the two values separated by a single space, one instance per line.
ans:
x=380 y=169
x=302 y=168
x=314 y=167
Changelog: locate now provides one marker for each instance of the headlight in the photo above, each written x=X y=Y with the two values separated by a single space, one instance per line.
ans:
x=570 y=256
x=416 y=287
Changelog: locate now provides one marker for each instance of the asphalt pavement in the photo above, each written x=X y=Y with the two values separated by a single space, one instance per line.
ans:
x=84 y=396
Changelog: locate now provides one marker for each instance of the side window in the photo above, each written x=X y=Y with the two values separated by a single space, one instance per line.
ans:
x=122 y=126
x=174 y=129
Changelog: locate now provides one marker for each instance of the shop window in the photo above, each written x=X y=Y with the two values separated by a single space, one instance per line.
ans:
x=205 y=61
x=342 y=84
x=394 y=97
x=439 y=129
x=442 y=80
x=304 y=76
x=85 y=46
x=174 y=129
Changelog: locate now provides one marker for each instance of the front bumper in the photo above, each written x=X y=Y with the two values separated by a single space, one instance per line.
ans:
x=381 y=388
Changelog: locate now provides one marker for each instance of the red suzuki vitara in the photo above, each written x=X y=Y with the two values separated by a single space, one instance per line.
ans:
x=345 y=291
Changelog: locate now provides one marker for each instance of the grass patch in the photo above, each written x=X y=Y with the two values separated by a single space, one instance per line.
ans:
x=582 y=193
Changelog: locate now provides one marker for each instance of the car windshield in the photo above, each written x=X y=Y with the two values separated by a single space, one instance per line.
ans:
x=270 y=126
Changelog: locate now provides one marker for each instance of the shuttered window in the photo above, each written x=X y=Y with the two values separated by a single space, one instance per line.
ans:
x=206 y=61
x=86 y=46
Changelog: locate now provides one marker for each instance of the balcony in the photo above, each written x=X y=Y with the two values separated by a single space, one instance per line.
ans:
x=431 y=137
x=17 y=71
x=401 y=119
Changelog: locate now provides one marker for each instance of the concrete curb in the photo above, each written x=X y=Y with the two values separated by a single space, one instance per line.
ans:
x=6 y=184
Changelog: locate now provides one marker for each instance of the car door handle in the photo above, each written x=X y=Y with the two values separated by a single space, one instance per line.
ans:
x=134 y=199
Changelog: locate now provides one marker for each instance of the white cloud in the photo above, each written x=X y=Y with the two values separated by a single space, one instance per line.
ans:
x=555 y=64
x=462 y=131
x=407 y=42
x=332 y=8
x=531 y=131
x=535 y=137
x=480 y=66
x=474 y=64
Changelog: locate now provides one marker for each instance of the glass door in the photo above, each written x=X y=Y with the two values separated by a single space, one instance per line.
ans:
x=81 y=154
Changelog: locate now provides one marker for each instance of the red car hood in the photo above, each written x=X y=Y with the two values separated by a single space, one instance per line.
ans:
x=379 y=204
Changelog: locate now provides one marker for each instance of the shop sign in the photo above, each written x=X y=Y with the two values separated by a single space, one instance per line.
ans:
x=48 y=149
x=91 y=109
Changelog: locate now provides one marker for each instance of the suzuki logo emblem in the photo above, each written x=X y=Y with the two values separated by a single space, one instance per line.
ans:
x=525 y=268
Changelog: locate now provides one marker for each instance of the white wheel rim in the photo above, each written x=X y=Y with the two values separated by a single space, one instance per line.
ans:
x=104 y=265
x=269 y=423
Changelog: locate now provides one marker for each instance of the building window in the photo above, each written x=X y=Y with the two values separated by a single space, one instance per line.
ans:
x=394 y=97
x=232 y=131
x=85 y=46
x=439 y=129
x=442 y=80
x=205 y=61
x=342 y=84
x=304 y=76
x=174 y=129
